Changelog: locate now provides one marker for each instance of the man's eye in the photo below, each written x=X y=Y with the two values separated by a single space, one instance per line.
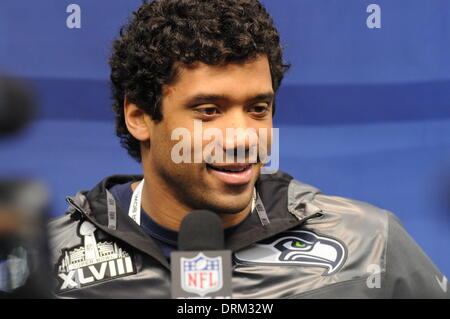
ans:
x=259 y=109
x=207 y=111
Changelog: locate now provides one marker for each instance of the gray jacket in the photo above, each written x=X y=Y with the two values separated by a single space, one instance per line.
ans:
x=313 y=246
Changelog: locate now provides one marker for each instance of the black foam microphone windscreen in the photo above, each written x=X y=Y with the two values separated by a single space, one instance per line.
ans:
x=17 y=105
x=201 y=230
x=201 y=268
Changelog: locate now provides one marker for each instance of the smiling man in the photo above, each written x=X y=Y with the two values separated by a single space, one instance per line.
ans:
x=179 y=64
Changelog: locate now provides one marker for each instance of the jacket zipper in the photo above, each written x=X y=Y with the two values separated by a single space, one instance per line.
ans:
x=77 y=213
x=315 y=215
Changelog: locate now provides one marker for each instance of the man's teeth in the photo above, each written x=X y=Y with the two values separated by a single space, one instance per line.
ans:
x=229 y=170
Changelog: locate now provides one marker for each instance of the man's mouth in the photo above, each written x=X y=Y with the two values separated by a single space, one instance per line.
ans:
x=236 y=174
x=232 y=168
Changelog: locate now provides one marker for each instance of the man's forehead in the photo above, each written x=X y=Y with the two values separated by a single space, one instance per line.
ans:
x=221 y=64
x=198 y=72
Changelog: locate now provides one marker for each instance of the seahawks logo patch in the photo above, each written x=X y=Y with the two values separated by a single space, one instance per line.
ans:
x=296 y=248
x=92 y=262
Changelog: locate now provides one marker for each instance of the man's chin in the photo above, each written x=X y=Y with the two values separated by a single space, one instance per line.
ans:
x=230 y=206
x=231 y=200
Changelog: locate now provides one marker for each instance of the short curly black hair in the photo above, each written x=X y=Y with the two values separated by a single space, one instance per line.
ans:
x=164 y=32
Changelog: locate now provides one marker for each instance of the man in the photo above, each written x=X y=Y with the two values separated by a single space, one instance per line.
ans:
x=219 y=63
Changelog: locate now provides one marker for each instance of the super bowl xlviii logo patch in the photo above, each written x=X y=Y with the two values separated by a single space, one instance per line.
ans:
x=201 y=274
x=92 y=261
x=296 y=248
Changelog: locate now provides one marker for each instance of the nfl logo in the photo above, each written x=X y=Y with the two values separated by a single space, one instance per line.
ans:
x=201 y=274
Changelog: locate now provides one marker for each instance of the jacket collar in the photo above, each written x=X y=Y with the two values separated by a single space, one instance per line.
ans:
x=285 y=200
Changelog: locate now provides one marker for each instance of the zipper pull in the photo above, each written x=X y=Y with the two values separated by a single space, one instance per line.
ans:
x=75 y=211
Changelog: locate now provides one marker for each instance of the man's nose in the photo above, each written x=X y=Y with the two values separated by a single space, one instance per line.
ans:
x=239 y=136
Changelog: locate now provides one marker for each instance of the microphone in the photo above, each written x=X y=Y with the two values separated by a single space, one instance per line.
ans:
x=17 y=105
x=25 y=268
x=201 y=268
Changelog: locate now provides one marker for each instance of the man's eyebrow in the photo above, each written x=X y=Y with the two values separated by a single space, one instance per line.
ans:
x=205 y=98
x=263 y=97
x=202 y=98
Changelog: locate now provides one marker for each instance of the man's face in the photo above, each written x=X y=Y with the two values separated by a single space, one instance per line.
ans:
x=226 y=96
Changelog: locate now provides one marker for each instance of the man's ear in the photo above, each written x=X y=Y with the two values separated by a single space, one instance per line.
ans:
x=135 y=119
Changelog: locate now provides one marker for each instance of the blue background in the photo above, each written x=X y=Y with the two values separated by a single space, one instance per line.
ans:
x=363 y=113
